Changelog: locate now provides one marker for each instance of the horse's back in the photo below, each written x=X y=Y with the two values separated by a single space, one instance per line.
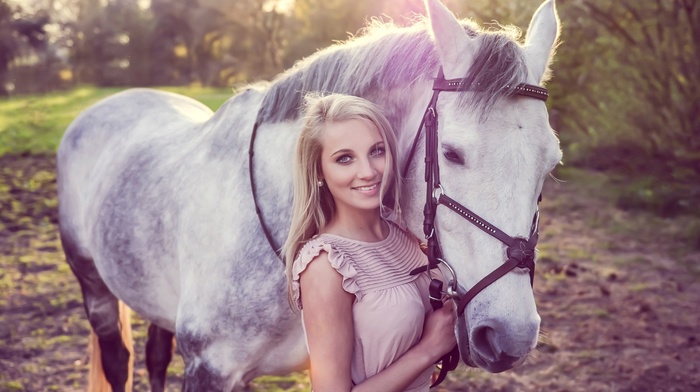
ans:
x=128 y=114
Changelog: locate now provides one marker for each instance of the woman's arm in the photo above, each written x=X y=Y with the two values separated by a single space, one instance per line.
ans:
x=330 y=336
x=329 y=325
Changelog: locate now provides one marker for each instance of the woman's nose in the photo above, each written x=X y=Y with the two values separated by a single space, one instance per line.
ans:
x=366 y=170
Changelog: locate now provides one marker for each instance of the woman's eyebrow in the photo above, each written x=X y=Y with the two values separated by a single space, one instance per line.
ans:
x=344 y=150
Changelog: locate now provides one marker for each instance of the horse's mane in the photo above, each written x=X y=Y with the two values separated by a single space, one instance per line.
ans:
x=385 y=56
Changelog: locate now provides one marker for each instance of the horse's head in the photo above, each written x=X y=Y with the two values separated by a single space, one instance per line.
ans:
x=495 y=149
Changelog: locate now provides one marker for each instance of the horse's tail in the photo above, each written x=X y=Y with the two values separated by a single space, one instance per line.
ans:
x=97 y=382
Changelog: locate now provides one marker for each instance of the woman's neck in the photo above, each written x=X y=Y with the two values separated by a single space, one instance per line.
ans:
x=367 y=227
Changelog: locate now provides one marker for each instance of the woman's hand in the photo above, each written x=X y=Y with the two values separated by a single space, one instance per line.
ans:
x=438 y=339
x=439 y=331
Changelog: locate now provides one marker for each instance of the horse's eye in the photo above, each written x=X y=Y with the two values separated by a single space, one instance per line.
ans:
x=453 y=156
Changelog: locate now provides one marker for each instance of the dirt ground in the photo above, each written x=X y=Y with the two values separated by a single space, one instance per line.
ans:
x=618 y=292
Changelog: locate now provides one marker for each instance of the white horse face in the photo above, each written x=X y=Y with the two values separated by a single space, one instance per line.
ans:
x=494 y=165
x=496 y=168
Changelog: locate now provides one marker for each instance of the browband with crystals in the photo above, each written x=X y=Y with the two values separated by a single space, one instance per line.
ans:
x=524 y=89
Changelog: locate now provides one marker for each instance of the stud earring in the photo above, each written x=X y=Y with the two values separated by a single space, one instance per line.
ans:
x=320 y=184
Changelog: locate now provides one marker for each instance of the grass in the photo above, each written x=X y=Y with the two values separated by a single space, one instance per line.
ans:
x=35 y=123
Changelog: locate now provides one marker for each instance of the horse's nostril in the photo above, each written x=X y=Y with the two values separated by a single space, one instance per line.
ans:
x=494 y=348
x=484 y=342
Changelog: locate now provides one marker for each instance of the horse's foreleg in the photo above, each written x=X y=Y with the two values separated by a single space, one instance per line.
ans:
x=159 y=352
x=102 y=309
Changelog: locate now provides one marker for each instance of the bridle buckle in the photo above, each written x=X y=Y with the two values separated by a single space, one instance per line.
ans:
x=438 y=191
x=523 y=252
x=452 y=290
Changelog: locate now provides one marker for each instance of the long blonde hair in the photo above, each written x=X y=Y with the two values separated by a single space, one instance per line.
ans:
x=313 y=206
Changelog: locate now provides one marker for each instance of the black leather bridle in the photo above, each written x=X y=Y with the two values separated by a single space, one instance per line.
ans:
x=520 y=251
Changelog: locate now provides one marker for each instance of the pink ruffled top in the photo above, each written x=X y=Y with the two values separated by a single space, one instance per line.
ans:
x=390 y=304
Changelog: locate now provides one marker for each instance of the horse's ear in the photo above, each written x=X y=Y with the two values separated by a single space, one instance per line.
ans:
x=451 y=40
x=541 y=41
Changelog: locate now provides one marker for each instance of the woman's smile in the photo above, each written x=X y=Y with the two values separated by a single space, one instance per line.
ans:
x=369 y=190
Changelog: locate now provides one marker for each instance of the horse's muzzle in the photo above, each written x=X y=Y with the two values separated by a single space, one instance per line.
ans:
x=495 y=348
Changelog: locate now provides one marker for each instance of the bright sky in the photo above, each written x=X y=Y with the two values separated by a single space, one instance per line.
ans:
x=282 y=5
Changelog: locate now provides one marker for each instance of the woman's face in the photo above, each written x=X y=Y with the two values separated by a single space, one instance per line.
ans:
x=352 y=164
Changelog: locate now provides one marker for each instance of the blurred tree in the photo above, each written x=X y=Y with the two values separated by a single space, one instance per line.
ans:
x=318 y=23
x=507 y=12
x=267 y=33
x=659 y=67
x=403 y=12
x=20 y=33
x=633 y=81
x=196 y=33
x=215 y=42
x=111 y=43
x=172 y=42
x=251 y=39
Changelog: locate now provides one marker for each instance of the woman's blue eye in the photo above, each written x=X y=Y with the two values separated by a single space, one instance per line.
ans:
x=378 y=151
x=343 y=159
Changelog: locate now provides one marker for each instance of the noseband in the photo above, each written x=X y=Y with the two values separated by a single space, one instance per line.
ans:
x=520 y=251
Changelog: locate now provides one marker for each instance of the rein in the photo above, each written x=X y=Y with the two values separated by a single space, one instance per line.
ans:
x=251 y=152
x=520 y=251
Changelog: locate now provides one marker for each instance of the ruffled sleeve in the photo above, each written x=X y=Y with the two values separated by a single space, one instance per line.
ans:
x=338 y=261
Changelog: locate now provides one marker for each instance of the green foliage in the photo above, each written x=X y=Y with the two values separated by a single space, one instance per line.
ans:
x=191 y=41
x=111 y=44
x=18 y=32
x=626 y=80
x=666 y=199
x=36 y=123
x=318 y=23
x=12 y=386
x=298 y=381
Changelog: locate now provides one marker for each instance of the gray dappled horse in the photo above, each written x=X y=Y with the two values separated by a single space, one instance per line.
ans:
x=156 y=209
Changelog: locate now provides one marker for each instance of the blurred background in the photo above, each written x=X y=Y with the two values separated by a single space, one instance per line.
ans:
x=626 y=87
x=618 y=280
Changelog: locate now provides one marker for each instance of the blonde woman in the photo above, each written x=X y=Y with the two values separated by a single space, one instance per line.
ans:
x=368 y=323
